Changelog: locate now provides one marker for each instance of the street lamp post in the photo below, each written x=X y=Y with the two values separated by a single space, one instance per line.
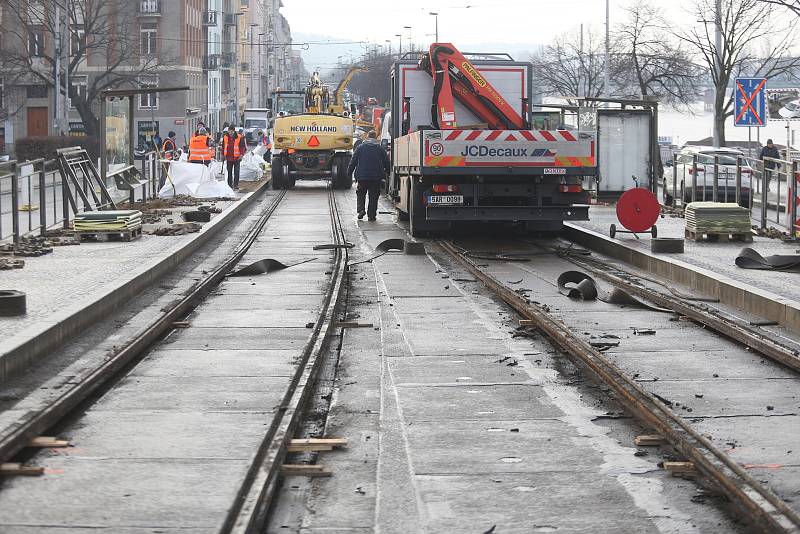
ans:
x=250 y=68
x=437 y=24
x=400 y=49
x=236 y=54
x=389 y=42
x=410 y=40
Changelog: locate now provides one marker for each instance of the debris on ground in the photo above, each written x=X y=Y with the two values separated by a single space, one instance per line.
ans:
x=27 y=247
x=177 y=229
x=9 y=263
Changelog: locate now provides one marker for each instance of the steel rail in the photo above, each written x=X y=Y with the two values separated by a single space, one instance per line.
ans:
x=763 y=508
x=251 y=510
x=732 y=328
x=39 y=421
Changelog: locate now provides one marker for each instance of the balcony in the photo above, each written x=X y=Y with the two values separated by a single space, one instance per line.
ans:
x=244 y=67
x=211 y=62
x=228 y=60
x=209 y=18
x=230 y=19
x=149 y=8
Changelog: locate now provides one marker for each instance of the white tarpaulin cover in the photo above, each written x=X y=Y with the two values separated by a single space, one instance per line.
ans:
x=195 y=180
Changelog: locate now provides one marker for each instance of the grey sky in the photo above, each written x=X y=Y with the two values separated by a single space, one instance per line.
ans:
x=485 y=21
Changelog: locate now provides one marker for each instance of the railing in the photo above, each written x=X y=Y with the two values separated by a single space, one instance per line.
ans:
x=750 y=182
x=150 y=7
x=34 y=199
x=230 y=19
x=211 y=62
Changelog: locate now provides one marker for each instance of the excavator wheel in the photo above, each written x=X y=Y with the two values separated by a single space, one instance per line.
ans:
x=277 y=173
x=342 y=180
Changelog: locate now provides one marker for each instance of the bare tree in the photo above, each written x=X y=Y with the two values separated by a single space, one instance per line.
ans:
x=103 y=35
x=745 y=26
x=793 y=5
x=571 y=66
x=648 y=61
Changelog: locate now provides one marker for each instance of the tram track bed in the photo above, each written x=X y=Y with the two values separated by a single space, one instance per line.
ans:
x=178 y=439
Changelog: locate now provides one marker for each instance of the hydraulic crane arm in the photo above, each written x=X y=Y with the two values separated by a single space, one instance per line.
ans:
x=340 y=89
x=454 y=77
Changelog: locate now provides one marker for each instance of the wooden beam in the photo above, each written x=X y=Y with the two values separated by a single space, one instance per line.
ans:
x=648 y=440
x=48 y=441
x=305 y=470
x=316 y=444
x=15 y=469
x=682 y=468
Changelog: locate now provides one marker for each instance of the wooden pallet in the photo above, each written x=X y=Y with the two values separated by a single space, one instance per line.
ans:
x=110 y=235
x=719 y=237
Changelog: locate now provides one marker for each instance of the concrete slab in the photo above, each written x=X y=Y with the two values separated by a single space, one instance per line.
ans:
x=241 y=338
x=223 y=362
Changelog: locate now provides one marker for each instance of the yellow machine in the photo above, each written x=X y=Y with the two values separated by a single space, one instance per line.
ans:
x=338 y=95
x=310 y=144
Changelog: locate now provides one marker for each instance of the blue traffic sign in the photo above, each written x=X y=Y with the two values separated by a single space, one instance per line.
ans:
x=750 y=102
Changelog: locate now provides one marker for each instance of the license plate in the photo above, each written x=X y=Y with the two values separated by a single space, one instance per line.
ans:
x=446 y=199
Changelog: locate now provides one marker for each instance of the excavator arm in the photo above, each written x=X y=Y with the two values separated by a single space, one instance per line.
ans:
x=454 y=77
x=340 y=89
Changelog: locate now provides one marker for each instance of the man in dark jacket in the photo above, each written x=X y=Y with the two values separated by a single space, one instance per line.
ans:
x=769 y=151
x=371 y=164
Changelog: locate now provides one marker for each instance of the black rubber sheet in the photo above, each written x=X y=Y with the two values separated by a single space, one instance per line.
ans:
x=578 y=285
x=750 y=259
x=267 y=265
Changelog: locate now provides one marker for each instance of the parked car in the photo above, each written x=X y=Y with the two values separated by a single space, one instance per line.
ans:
x=791 y=110
x=704 y=182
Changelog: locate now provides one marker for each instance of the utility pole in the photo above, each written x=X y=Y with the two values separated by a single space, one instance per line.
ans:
x=400 y=50
x=437 y=24
x=57 y=73
x=717 y=64
x=606 y=78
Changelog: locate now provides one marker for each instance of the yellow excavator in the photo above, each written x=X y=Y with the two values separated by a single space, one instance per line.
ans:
x=338 y=105
x=313 y=144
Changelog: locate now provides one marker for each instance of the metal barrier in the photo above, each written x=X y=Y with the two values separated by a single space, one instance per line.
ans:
x=33 y=197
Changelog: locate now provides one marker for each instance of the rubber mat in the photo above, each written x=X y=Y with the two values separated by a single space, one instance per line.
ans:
x=578 y=285
x=750 y=259
x=267 y=265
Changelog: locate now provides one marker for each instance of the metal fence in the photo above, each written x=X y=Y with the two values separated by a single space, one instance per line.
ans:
x=34 y=199
x=746 y=181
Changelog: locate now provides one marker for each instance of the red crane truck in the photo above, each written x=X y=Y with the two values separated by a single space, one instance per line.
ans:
x=463 y=148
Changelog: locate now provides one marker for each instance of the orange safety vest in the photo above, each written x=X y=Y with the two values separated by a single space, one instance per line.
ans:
x=168 y=148
x=237 y=152
x=199 y=149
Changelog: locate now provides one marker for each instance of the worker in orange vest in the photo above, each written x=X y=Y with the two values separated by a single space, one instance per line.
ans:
x=168 y=148
x=200 y=150
x=234 y=147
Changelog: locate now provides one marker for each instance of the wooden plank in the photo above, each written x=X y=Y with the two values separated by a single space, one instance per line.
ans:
x=15 y=469
x=316 y=444
x=305 y=470
x=48 y=441
x=648 y=440
x=352 y=324
x=679 y=467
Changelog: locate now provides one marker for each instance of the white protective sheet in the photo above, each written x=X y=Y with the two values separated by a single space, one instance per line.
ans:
x=195 y=180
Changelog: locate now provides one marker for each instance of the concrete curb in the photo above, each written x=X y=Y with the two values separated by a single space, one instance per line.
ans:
x=739 y=295
x=25 y=348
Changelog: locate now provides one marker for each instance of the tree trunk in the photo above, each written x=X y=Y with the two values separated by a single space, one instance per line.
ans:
x=90 y=122
x=719 y=113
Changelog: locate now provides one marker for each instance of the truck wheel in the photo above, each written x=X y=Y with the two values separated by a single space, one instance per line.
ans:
x=277 y=173
x=416 y=211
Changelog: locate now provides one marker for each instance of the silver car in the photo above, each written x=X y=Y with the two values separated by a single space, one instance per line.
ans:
x=704 y=181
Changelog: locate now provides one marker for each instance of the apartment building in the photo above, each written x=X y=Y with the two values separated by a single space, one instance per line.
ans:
x=228 y=52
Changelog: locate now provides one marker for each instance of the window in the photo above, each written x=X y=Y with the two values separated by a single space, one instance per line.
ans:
x=148 y=101
x=78 y=41
x=36 y=91
x=78 y=88
x=36 y=42
x=148 y=37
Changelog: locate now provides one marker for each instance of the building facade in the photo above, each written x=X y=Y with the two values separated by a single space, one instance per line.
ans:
x=229 y=53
